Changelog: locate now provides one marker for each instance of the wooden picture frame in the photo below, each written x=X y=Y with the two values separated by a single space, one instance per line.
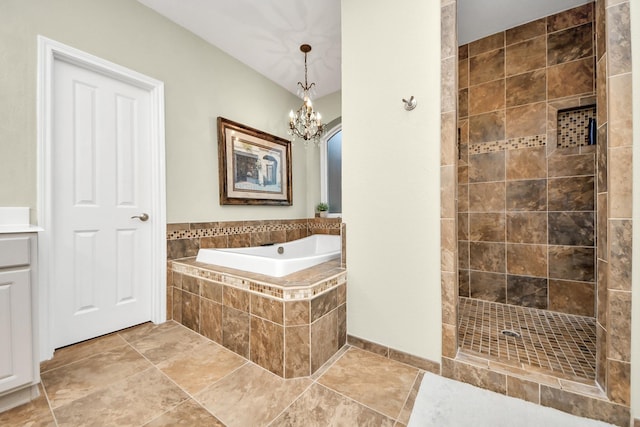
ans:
x=254 y=166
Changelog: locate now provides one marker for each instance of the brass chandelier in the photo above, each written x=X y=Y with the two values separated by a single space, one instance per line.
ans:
x=305 y=123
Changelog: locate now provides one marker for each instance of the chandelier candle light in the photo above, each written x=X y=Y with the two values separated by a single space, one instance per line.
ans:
x=305 y=123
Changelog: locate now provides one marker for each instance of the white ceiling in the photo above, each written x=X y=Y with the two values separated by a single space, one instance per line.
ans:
x=266 y=34
x=480 y=18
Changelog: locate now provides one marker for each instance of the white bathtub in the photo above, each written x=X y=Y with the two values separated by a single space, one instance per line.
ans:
x=295 y=256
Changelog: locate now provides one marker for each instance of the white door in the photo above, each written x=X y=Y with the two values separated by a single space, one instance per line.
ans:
x=101 y=261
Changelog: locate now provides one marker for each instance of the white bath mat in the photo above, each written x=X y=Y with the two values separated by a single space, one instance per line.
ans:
x=443 y=402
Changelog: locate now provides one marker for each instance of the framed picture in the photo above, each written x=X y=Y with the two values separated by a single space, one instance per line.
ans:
x=255 y=167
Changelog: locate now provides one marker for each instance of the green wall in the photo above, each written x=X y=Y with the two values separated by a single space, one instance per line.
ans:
x=201 y=83
x=391 y=170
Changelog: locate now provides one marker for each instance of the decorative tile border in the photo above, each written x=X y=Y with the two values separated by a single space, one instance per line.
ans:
x=286 y=293
x=191 y=231
x=508 y=144
x=185 y=239
x=252 y=318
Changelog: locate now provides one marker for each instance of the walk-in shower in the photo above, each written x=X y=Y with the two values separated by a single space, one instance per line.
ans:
x=527 y=187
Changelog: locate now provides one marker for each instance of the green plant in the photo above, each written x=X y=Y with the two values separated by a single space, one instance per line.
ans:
x=322 y=207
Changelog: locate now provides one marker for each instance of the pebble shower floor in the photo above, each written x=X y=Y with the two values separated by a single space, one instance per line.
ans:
x=561 y=343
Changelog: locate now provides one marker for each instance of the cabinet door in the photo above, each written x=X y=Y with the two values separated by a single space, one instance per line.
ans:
x=16 y=356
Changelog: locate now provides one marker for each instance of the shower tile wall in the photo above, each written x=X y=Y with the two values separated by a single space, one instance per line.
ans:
x=615 y=159
x=614 y=176
x=526 y=212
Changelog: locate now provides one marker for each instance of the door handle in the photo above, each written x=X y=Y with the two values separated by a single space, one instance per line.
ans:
x=142 y=217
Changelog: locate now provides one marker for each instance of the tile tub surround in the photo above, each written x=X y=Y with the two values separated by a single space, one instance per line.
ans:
x=184 y=239
x=290 y=325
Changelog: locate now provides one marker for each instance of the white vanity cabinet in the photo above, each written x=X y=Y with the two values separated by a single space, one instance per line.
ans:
x=19 y=368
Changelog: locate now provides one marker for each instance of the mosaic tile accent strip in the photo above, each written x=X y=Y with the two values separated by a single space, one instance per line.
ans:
x=234 y=228
x=563 y=344
x=305 y=289
x=508 y=144
x=573 y=126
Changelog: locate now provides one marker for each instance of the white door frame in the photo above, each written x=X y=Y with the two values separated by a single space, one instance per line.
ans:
x=48 y=52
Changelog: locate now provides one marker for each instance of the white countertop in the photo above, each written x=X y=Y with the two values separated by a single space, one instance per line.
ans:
x=16 y=220
x=19 y=228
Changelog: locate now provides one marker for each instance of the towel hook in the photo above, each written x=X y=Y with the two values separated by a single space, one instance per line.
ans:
x=410 y=104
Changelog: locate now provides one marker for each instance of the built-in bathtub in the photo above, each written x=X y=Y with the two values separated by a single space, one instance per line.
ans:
x=290 y=324
x=276 y=260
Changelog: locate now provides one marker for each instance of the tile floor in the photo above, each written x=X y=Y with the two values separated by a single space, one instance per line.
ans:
x=167 y=375
x=562 y=344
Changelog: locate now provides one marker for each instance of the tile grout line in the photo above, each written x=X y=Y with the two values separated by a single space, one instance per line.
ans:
x=406 y=399
x=574 y=358
x=217 y=417
x=190 y=396
x=46 y=395
x=101 y=389
x=247 y=361
x=87 y=357
x=419 y=370
x=44 y=388
x=97 y=389
x=358 y=403
x=315 y=381
x=284 y=410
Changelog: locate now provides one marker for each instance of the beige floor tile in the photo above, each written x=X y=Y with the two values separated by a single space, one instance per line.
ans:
x=33 y=414
x=132 y=402
x=146 y=329
x=321 y=407
x=379 y=383
x=78 y=379
x=411 y=400
x=188 y=414
x=250 y=396
x=73 y=353
x=171 y=341
x=317 y=374
x=201 y=366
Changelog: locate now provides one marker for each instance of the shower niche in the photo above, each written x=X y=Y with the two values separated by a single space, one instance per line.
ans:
x=577 y=127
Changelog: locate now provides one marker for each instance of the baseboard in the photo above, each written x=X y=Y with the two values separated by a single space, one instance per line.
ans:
x=19 y=397
x=393 y=354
